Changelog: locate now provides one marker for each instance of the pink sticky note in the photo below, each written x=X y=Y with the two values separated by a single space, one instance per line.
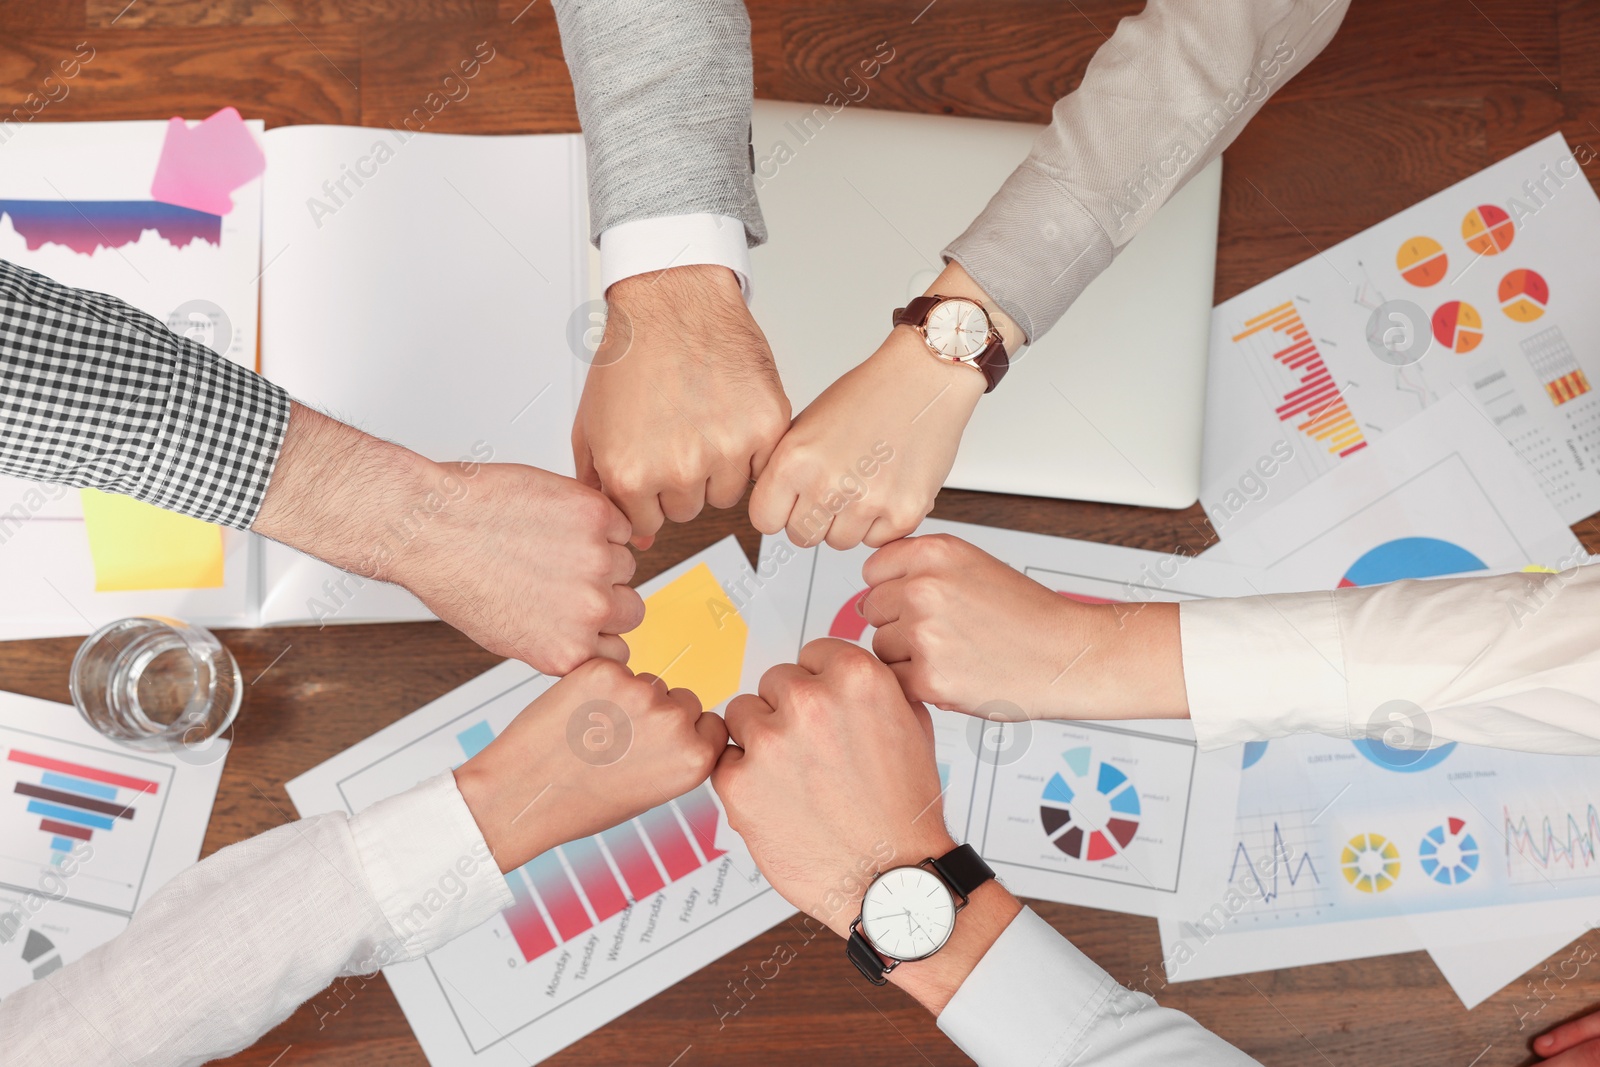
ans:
x=201 y=166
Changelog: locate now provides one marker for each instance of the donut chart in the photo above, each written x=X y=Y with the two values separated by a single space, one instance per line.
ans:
x=1488 y=230
x=849 y=623
x=1090 y=809
x=1370 y=862
x=1523 y=295
x=1422 y=262
x=1448 y=854
x=1458 y=326
x=32 y=952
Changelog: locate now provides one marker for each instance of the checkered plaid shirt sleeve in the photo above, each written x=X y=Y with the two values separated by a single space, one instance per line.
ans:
x=95 y=393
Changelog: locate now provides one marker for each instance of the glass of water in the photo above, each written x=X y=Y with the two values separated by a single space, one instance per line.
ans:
x=156 y=683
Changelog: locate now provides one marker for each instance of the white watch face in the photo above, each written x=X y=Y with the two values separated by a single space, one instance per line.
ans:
x=908 y=913
x=957 y=329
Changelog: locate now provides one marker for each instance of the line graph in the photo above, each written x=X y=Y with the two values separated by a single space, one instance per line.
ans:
x=1284 y=865
x=1547 y=853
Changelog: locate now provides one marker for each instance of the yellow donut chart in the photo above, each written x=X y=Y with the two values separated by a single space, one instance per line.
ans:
x=1370 y=862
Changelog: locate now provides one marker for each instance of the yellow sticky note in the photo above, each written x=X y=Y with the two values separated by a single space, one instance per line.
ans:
x=692 y=636
x=139 y=546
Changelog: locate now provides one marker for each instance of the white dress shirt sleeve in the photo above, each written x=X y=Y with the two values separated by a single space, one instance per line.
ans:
x=1511 y=661
x=646 y=245
x=230 y=947
x=1034 y=1000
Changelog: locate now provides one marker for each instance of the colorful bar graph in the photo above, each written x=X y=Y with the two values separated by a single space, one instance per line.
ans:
x=550 y=881
x=550 y=908
x=702 y=815
x=677 y=855
x=138 y=785
x=527 y=924
x=633 y=860
x=594 y=875
x=1316 y=401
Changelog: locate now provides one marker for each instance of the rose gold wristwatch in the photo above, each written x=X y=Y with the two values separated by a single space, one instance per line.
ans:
x=958 y=330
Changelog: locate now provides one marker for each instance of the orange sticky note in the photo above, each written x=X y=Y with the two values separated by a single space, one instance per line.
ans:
x=139 y=546
x=692 y=636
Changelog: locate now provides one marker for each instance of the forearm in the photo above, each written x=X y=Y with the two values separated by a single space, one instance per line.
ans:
x=1160 y=100
x=663 y=94
x=95 y=393
x=1510 y=661
x=230 y=947
x=343 y=496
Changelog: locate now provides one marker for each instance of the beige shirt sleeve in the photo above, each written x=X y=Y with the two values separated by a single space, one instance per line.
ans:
x=1510 y=661
x=1166 y=93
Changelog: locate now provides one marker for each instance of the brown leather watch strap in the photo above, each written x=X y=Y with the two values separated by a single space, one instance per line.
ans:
x=992 y=361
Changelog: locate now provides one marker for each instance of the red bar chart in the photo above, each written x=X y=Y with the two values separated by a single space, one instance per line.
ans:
x=1315 y=400
x=562 y=894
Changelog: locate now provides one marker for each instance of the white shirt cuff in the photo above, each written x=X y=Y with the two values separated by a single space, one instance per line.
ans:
x=1264 y=666
x=429 y=866
x=645 y=245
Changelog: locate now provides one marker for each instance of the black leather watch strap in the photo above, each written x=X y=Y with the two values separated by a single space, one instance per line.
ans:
x=963 y=870
x=868 y=962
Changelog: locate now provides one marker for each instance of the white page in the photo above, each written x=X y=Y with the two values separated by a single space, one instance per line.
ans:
x=1479 y=952
x=159 y=265
x=1445 y=476
x=1008 y=784
x=46 y=749
x=427 y=305
x=484 y=998
x=1505 y=375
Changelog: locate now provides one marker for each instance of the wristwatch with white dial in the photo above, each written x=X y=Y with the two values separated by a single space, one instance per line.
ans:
x=909 y=913
x=958 y=330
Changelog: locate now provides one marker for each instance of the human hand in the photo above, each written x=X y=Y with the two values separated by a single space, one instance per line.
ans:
x=683 y=405
x=900 y=416
x=527 y=563
x=533 y=788
x=964 y=631
x=834 y=780
x=1575 y=1043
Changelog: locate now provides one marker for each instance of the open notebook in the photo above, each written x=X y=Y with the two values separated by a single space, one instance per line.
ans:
x=418 y=286
x=439 y=291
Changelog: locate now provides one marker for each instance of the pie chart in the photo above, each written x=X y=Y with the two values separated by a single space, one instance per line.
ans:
x=1090 y=809
x=1448 y=854
x=1523 y=295
x=1370 y=862
x=1410 y=557
x=1457 y=326
x=1488 y=230
x=1422 y=261
x=849 y=623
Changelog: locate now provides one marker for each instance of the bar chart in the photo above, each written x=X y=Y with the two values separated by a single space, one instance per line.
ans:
x=1313 y=403
x=564 y=893
x=62 y=802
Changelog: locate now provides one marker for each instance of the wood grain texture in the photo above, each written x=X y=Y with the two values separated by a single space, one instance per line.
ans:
x=1408 y=98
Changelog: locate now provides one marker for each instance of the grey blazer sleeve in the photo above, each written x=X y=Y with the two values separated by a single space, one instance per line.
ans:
x=1166 y=93
x=663 y=94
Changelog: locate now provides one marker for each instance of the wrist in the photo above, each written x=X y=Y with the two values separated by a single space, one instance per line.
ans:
x=678 y=287
x=512 y=841
x=933 y=981
x=955 y=281
x=341 y=495
x=1124 y=662
x=908 y=358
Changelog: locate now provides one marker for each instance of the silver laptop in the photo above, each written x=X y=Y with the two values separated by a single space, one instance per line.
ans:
x=1107 y=406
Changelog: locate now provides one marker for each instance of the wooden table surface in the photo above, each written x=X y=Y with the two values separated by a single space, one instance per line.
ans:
x=1408 y=98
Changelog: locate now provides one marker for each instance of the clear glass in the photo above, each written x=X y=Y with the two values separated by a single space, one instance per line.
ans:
x=156 y=683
